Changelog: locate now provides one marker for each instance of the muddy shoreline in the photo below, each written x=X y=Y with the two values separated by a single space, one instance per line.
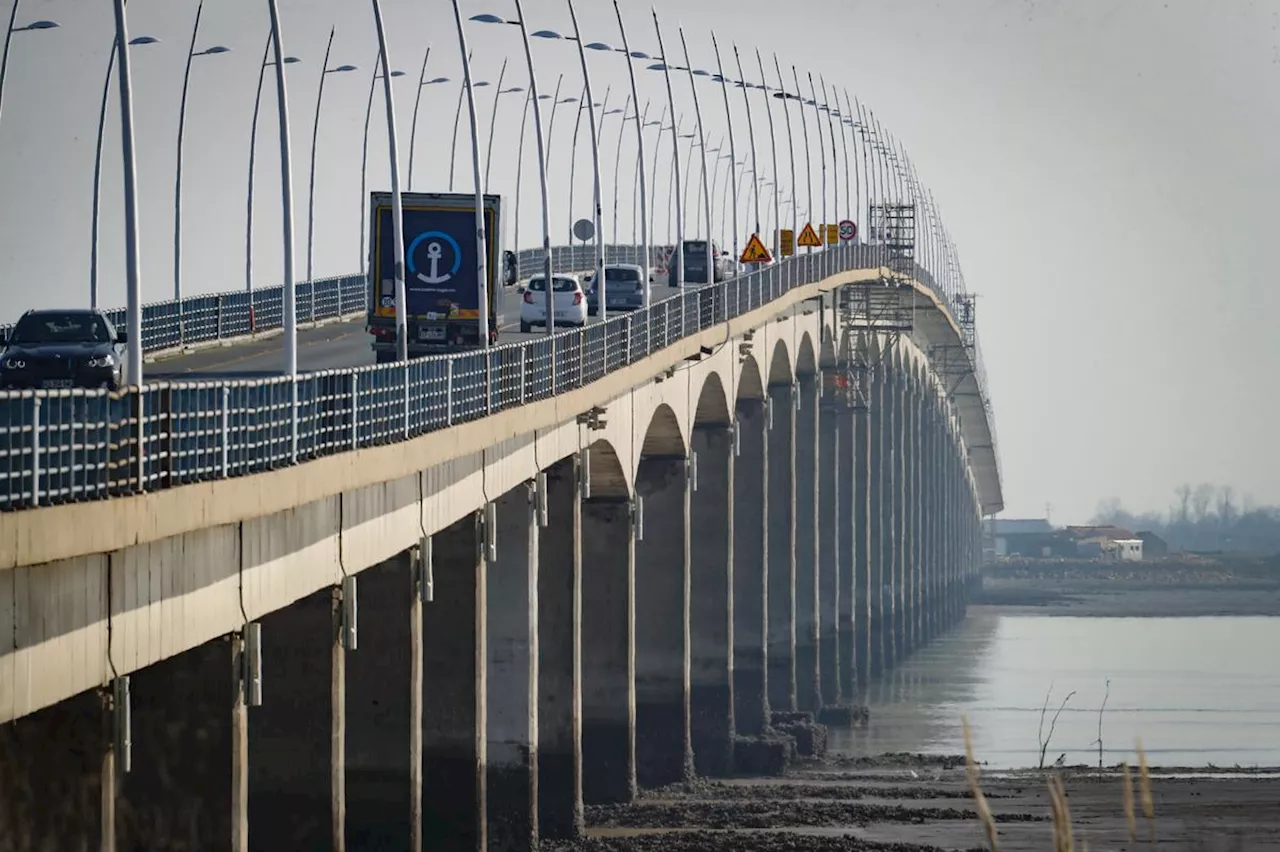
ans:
x=922 y=802
x=1128 y=597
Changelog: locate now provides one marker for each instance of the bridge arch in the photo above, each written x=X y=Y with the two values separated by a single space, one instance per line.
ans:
x=750 y=383
x=606 y=472
x=663 y=438
x=713 y=403
x=780 y=365
x=806 y=357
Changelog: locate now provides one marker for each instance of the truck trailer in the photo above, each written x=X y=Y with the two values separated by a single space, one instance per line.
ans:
x=442 y=287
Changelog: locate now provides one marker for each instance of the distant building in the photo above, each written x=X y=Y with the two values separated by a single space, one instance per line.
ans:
x=1107 y=532
x=1033 y=538
x=1153 y=546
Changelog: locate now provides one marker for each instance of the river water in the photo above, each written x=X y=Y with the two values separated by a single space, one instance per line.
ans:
x=1197 y=691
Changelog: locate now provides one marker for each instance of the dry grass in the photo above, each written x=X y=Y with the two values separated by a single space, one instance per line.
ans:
x=1063 y=834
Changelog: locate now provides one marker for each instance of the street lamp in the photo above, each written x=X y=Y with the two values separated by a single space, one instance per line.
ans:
x=524 y=120
x=542 y=158
x=133 y=292
x=791 y=144
x=457 y=119
x=325 y=71
x=364 y=156
x=192 y=53
x=253 y=147
x=397 y=210
x=493 y=122
x=482 y=242
x=97 y=167
x=8 y=35
x=676 y=279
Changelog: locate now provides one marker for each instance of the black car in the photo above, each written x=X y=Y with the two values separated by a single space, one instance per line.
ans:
x=62 y=349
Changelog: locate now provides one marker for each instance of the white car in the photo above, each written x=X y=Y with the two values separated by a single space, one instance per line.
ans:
x=569 y=302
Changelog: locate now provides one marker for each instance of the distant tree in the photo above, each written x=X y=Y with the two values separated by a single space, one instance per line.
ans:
x=1182 y=510
x=1200 y=501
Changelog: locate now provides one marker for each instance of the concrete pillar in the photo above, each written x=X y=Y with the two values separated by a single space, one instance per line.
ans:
x=808 y=675
x=847 y=526
x=881 y=445
x=383 y=805
x=911 y=535
x=864 y=525
x=664 y=754
x=454 y=707
x=51 y=777
x=608 y=651
x=512 y=674
x=560 y=657
x=897 y=497
x=831 y=496
x=711 y=602
x=294 y=802
x=919 y=543
x=750 y=555
x=781 y=582
x=931 y=566
x=180 y=789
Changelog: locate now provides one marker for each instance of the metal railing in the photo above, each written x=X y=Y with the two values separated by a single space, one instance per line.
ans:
x=226 y=317
x=59 y=446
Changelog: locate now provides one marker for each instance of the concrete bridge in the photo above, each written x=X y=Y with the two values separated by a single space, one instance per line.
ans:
x=680 y=564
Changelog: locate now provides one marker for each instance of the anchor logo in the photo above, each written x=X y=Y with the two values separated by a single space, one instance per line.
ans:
x=435 y=251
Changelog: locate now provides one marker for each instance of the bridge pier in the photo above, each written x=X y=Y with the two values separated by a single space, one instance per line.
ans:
x=881 y=537
x=663 y=749
x=383 y=788
x=833 y=631
x=454 y=707
x=850 y=622
x=780 y=594
x=296 y=786
x=608 y=651
x=750 y=560
x=559 y=673
x=864 y=525
x=911 y=530
x=808 y=674
x=56 y=777
x=711 y=560
x=897 y=509
x=512 y=689
x=181 y=790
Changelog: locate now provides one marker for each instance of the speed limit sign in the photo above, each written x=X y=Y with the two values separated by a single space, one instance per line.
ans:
x=848 y=230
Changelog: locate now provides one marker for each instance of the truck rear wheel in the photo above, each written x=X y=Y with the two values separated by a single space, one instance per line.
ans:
x=383 y=357
x=525 y=328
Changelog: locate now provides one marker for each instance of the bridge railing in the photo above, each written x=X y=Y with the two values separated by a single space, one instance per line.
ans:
x=60 y=446
x=238 y=314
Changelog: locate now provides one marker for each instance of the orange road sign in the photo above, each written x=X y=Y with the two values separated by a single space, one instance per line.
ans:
x=786 y=242
x=833 y=235
x=809 y=237
x=755 y=252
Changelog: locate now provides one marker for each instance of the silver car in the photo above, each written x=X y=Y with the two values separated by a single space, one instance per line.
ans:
x=625 y=285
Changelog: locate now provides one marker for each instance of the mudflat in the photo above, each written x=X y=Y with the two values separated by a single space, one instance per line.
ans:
x=918 y=802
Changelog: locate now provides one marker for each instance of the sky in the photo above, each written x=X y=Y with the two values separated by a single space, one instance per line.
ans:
x=1106 y=170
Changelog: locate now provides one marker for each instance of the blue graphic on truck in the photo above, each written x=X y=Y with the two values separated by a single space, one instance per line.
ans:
x=440 y=257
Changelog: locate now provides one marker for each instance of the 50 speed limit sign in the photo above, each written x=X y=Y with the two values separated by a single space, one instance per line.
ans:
x=848 y=230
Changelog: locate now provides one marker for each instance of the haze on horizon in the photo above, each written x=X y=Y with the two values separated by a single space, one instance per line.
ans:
x=1105 y=169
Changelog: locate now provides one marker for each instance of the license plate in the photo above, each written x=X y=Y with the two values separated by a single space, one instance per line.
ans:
x=56 y=383
x=436 y=333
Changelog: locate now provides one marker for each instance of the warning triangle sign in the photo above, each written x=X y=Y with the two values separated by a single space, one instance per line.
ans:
x=755 y=252
x=809 y=237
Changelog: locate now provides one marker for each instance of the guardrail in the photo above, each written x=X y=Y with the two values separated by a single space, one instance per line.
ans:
x=242 y=313
x=61 y=446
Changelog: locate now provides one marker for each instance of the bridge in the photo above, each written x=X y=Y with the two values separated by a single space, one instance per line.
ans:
x=449 y=602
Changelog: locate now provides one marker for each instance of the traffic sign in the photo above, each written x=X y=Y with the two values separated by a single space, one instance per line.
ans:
x=755 y=252
x=786 y=242
x=833 y=234
x=809 y=237
x=584 y=229
x=848 y=230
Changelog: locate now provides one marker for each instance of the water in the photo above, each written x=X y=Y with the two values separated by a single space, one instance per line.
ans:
x=1198 y=691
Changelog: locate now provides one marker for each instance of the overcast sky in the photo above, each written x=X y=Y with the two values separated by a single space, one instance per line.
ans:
x=1107 y=170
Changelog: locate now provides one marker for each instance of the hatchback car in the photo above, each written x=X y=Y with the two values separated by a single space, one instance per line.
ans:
x=569 y=303
x=62 y=349
x=625 y=288
x=695 y=262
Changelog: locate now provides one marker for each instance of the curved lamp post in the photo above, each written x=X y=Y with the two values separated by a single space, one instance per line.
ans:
x=741 y=83
x=253 y=146
x=133 y=290
x=542 y=158
x=780 y=93
x=457 y=118
x=484 y=329
x=97 y=166
x=192 y=53
x=397 y=210
x=676 y=276
x=702 y=141
x=733 y=151
x=325 y=71
x=524 y=121
x=493 y=123
x=8 y=36
x=364 y=158
x=593 y=127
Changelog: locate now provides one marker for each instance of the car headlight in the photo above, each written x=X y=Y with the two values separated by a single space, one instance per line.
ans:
x=107 y=360
x=14 y=364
